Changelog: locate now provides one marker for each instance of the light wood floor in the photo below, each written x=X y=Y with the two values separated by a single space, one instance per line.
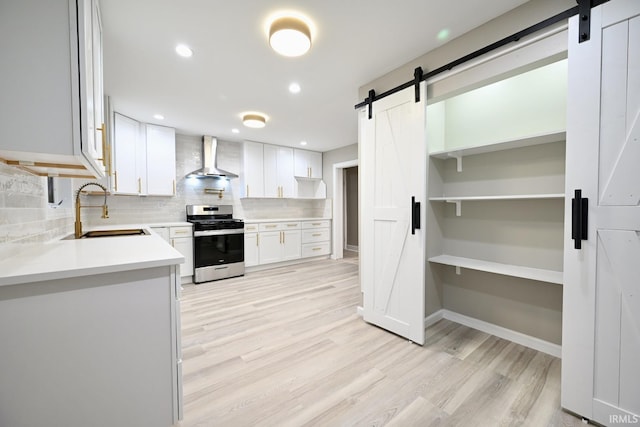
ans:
x=285 y=347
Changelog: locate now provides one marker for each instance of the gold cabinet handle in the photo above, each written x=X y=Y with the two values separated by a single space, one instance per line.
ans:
x=309 y=171
x=106 y=161
x=247 y=194
x=115 y=180
x=139 y=185
x=292 y=225
x=283 y=237
x=270 y=226
x=316 y=223
x=316 y=249
x=257 y=240
x=316 y=235
x=180 y=232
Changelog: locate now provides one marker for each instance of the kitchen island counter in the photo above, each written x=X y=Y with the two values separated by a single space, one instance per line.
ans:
x=60 y=259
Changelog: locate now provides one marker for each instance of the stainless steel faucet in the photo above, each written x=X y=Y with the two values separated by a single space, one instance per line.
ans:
x=105 y=208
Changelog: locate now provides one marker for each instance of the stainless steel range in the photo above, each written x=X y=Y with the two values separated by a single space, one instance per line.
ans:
x=218 y=242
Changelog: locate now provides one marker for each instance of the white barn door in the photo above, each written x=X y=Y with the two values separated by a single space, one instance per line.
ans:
x=601 y=313
x=393 y=165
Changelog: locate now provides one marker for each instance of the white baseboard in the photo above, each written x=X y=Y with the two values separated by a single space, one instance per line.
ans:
x=489 y=328
x=433 y=318
x=261 y=267
x=499 y=331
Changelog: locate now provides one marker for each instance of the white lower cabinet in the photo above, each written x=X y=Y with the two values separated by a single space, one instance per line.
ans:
x=279 y=241
x=272 y=242
x=181 y=238
x=316 y=238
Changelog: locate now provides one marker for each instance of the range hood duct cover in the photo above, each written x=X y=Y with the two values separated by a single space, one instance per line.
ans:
x=210 y=161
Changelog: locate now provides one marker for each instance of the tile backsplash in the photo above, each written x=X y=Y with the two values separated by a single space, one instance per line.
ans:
x=24 y=212
x=26 y=217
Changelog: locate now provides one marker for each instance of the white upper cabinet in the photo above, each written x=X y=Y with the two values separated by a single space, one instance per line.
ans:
x=307 y=164
x=51 y=87
x=128 y=149
x=144 y=161
x=278 y=171
x=161 y=160
x=253 y=173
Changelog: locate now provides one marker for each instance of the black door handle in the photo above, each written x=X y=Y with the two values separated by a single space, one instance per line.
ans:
x=579 y=219
x=415 y=215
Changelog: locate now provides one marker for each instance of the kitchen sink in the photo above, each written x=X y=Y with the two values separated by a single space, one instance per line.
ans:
x=111 y=233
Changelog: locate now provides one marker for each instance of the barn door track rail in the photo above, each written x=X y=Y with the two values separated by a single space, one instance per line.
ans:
x=583 y=9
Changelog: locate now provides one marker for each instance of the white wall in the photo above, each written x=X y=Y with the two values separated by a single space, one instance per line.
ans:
x=339 y=155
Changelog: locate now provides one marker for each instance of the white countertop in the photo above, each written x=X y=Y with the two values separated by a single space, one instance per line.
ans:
x=252 y=221
x=60 y=259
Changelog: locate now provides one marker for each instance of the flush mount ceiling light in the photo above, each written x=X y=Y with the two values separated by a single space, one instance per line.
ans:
x=289 y=36
x=253 y=120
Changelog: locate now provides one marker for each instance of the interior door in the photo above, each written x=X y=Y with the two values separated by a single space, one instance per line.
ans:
x=601 y=313
x=393 y=171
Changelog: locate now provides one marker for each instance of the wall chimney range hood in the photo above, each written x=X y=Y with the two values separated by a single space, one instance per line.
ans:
x=210 y=161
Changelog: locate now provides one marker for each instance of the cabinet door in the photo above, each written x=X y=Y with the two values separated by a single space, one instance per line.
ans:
x=161 y=160
x=285 y=172
x=270 y=247
x=315 y=165
x=271 y=184
x=251 y=249
x=126 y=147
x=184 y=245
x=301 y=163
x=253 y=169
x=307 y=164
x=291 y=244
x=601 y=308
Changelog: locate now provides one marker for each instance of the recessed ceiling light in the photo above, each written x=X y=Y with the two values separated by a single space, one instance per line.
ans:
x=303 y=142
x=234 y=130
x=294 y=88
x=290 y=36
x=254 y=120
x=158 y=116
x=184 y=50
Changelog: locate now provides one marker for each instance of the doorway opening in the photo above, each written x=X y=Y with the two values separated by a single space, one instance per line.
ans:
x=345 y=209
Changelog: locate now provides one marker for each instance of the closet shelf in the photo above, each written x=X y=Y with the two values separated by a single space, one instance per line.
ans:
x=542 y=275
x=538 y=139
x=507 y=197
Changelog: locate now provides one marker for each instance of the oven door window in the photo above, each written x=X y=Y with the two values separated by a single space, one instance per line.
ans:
x=217 y=250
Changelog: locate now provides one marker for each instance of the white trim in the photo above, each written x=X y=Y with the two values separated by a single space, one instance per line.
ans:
x=508 y=334
x=352 y=248
x=434 y=318
x=498 y=53
x=360 y=311
x=498 y=331
x=260 y=267
x=338 y=207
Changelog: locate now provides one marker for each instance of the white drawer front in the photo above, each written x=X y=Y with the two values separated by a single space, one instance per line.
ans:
x=315 y=249
x=270 y=226
x=275 y=226
x=315 y=235
x=180 y=232
x=316 y=224
x=250 y=228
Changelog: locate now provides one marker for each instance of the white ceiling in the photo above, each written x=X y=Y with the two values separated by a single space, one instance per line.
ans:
x=234 y=70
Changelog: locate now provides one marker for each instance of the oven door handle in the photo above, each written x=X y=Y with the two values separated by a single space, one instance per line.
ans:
x=218 y=232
